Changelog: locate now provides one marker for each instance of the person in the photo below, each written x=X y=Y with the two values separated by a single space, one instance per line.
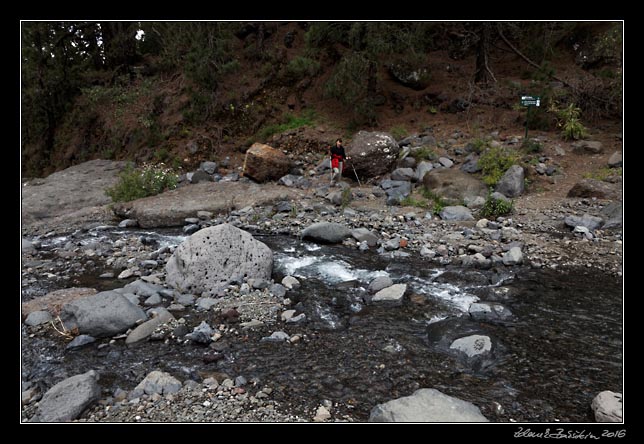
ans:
x=338 y=158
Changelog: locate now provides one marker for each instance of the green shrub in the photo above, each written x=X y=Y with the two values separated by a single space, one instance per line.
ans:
x=603 y=173
x=399 y=132
x=494 y=162
x=301 y=67
x=146 y=181
x=439 y=202
x=494 y=208
x=568 y=121
x=291 y=121
x=411 y=201
x=424 y=153
x=478 y=145
x=531 y=146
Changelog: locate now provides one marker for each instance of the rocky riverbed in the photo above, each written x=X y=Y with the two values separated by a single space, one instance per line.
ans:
x=84 y=248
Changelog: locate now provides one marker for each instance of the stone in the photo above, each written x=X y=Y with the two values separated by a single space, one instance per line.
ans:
x=263 y=163
x=126 y=274
x=253 y=323
x=326 y=232
x=104 y=314
x=489 y=312
x=66 y=400
x=322 y=414
x=587 y=146
x=209 y=260
x=208 y=167
x=143 y=289
x=373 y=153
x=126 y=223
x=403 y=174
x=277 y=290
x=473 y=345
x=393 y=294
x=471 y=164
x=201 y=334
x=427 y=252
x=588 y=221
x=155 y=299
x=205 y=303
x=513 y=257
x=426 y=405
x=52 y=301
x=607 y=407
x=500 y=196
x=379 y=283
x=615 y=160
x=185 y=299
x=144 y=330
x=453 y=185
x=296 y=319
x=200 y=176
x=79 y=341
x=290 y=282
x=447 y=163
x=596 y=188
x=422 y=169
x=512 y=183
x=613 y=215
x=278 y=336
x=38 y=318
x=158 y=382
x=456 y=213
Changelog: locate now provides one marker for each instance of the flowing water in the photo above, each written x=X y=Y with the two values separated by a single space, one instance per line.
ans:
x=561 y=348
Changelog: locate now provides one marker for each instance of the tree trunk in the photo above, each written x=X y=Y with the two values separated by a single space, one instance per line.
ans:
x=483 y=73
x=119 y=43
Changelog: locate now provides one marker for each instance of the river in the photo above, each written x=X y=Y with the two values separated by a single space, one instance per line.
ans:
x=562 y=346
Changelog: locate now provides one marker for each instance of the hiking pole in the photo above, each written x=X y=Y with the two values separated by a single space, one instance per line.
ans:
x=354 y=172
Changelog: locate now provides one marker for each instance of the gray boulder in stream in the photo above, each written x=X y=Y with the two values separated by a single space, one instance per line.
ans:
x=104 y=314
x=210 y=259
x=67 y=399
x=427 y=405
x=326 y=232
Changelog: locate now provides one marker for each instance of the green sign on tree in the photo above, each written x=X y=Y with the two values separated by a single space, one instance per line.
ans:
x=529 y=101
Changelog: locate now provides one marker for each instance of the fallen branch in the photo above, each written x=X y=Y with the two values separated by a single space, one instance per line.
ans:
x=531 y=63
x=65 y=333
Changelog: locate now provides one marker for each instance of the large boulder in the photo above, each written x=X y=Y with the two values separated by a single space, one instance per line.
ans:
x=326 y=232
x=607 y=407
x=73 y=190
x=104 y=314
x=454 y=186
x=586 y=220
x=67 y=399
x=427 y=405
x=456 y=213
x=613 y=214
x=373 y=153
x=213 y=257
x=156 y=382
x=596 y=188
x=263 y=163
x=587 y=146
x=171 y=208
x=512 y=184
